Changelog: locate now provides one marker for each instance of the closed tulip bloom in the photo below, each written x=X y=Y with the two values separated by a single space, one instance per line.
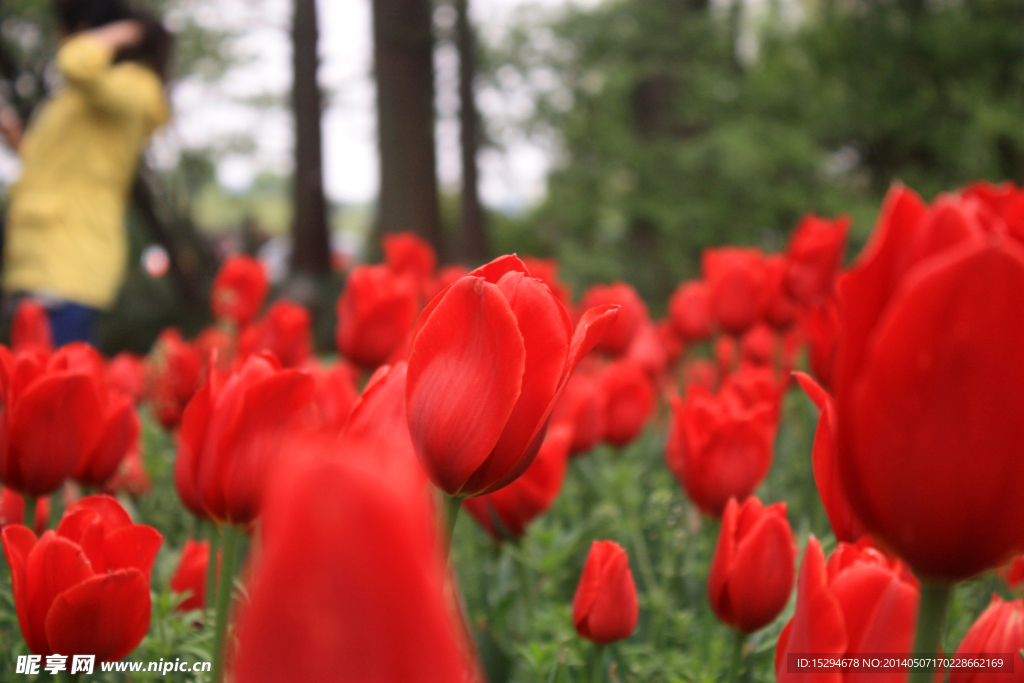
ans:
x=506 y=512
x=84 y=588
x=647 y=351
x=719 y=447
x=119 y=435
x=239 y=290
x=861 y=602
x=375 y=313
x=39 y=394
x=814 y=256
x=628 y=401
x=546 y=270
x=777 y=306
x=30 y=328
x=690 y=311
x=172 y=376
x=405 y=253
x=999 y=630
x=190 y=576
x=757 y=347
x=726 y=352
x=821 y=325
x=735 y=278
x=131 y=476
x=284 y=331
x=754 y=565
x=232 y=430
x=845 y=524
x=582 y=406
x=350 y=583
x=12 y=510
x=632 y=315
x=489 y=359
x=605 y=608
x=333 y=396
x=1013 y=573
x=126 y=374
x=929 y=387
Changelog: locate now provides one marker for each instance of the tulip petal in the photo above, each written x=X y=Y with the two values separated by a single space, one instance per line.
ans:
x=110 y=511
x=464 y=378
x=106 y=616
x=18 y=541
x=879 y=610
x=133 y=547
x=766 y=552
x=54 y=565
x=721 y=564
x=614 y=611
x=939 y=400
x=120 y=431
x=546 y=332
x=46 y=456
x=191 y=438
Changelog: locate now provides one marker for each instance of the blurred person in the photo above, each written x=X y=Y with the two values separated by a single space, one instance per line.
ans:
x=65 y=243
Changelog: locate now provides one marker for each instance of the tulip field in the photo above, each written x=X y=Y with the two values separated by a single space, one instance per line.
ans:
x=809 y=469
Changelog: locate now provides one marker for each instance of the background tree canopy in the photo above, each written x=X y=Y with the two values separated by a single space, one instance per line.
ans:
x=671 y=142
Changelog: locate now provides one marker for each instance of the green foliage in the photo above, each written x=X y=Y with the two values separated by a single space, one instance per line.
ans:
x=669 y=143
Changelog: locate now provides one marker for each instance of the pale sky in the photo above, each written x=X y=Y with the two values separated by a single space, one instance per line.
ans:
x=208 y=113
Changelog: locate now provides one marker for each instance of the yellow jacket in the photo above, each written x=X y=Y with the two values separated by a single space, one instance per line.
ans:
x=65 y=233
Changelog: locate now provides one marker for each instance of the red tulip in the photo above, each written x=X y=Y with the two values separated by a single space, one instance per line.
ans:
x=407 y=254
x=999 y=630
x=1013 y=573
x=757 y=347
x=12 y=510
x=647 y=351
x=778 y=307
x=841 y=516
x=190 y=576
x=690 y=311
x=131 y=476
x=719 y=447
x=489 y=359
x=39 y=395
x=333 y=396
x=632 y=315
x=582 y=406
x=605 y=607
x=822 y=327
x=700 y=372
x=546 y=270
x=232 y=430
x=725 y=354
x=861 y=603
x=83 y=589
x=814 y=256
x=217 y=346
x=239 y=290
x=671 y=342
x=377 y=428
x=929 y=387
x=735 y=278
x=446 y=277
x=350 y=583
x=753 y=567
x=119 y=435
x=506 y=513
x=172 y=376
x=375 y=313
x=126 y=374
x=284 y=331
x=628 y=402
x=30 y=328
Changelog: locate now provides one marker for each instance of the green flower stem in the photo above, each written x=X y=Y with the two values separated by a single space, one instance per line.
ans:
x=452 y=506
x=231 y=541
x=737 y=665
x=931 y=621
x=525 y=583
x=597 y=665
x=211 y=566
x=29 y=519
x=69 y=677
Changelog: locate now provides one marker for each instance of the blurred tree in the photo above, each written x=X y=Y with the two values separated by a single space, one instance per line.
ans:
x=311 y=251
x=473 y=244
x=403 y=47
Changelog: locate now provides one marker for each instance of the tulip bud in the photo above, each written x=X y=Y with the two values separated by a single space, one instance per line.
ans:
x=284 y=331
x=999 y=630
x=605 y=607
x=628 y=401
x=239 y=290
x=375 y=313
x=172 y=376
x=814 y=256
x=30 y=328
x=632 y=315
x=190 y=576
x=735 y=278
x=690 y=311
x=753 y=568
x=489 y=359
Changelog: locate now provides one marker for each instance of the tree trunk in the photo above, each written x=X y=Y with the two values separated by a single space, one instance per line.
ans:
x=472 y=230
x=311 y=252
x=404 y=65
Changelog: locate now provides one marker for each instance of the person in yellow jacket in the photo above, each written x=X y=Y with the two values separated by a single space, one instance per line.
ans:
x=65 y=240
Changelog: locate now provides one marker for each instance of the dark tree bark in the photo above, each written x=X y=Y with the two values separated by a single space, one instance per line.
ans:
x=403 y=53
x=473 y=245
x=311 y=251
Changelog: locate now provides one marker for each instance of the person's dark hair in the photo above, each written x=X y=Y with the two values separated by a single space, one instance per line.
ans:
x=154 y=50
